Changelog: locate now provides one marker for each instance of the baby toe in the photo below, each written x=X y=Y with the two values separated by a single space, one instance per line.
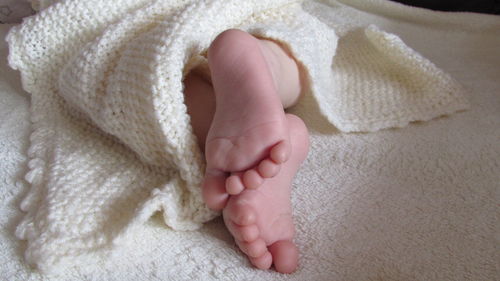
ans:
x=281 y=152
x=285 y=256
x=234 y=185
x=247 y=233
x=263 y=262
x=268 y=168
x=252 y=179
x=253 y=249
x=240 y=214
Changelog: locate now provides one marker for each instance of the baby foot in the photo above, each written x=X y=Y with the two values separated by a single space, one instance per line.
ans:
x=248 y=139
x=261 y=219
x=253 y=178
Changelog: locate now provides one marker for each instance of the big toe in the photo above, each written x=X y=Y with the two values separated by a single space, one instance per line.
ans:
x=285 y=256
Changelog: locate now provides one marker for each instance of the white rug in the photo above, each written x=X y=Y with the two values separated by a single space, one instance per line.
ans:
x=418 y=203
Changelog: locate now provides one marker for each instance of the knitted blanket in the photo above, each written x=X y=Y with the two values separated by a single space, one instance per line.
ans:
x=112 y=143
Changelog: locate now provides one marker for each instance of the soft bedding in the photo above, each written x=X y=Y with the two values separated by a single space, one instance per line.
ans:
x=414 y=203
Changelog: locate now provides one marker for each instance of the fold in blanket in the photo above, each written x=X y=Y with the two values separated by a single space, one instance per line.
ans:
x=112 y=143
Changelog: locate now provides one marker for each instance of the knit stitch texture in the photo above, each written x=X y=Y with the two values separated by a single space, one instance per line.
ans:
x=112 y=143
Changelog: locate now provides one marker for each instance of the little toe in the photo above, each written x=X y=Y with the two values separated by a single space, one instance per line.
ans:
x=285 y=256
x=214 y=190
x=253 y=249
x=234 y=185
x=268 y=168
x=252 y=179
x=281 y=152
x=262 y=262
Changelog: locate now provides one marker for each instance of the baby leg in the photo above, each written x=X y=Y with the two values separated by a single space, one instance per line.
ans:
x=239 y=120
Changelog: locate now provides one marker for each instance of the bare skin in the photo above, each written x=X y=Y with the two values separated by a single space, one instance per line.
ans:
x=261 y=219
x=252 y=148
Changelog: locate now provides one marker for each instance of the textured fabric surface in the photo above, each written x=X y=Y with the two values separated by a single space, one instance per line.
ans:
x=112 y=143
x=414 y=203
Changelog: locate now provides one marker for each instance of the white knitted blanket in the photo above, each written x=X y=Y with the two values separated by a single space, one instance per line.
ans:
x=111 y=142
